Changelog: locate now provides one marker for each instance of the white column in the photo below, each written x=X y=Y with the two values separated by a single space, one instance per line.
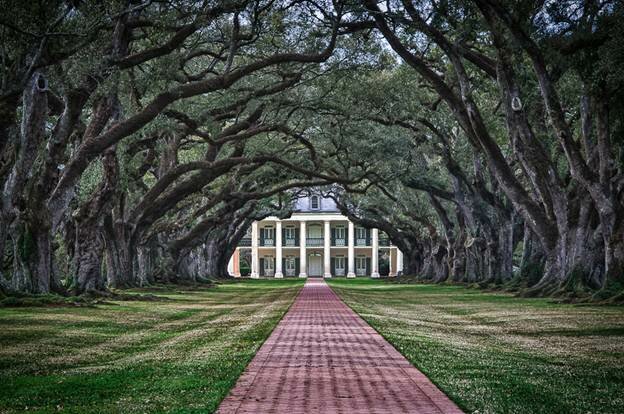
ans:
x=255 y=271
x=278 y=250
x=230 y=268
x=351 y=250
x=392 y=260
x=375 y=258
x=327 y=249
x=302 y=250
x=399 y=262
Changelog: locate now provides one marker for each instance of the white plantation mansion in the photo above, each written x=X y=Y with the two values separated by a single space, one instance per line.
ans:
x=315 y=241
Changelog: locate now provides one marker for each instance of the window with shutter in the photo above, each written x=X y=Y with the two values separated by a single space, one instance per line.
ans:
x=360 y=236
x=289 y=236
x=268 y=234
x=340 y=236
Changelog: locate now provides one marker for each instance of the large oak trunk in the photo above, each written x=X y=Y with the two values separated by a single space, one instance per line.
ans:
x=119 y=254
x=32 y=266
x=88 y=263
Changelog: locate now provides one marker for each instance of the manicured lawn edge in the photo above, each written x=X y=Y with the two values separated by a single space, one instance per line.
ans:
x=138 y=357
x=493 y=352
x=460 y=404
x=263 y=341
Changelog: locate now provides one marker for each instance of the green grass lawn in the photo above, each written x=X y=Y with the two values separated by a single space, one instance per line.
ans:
x=494 y=353
x=178 y=355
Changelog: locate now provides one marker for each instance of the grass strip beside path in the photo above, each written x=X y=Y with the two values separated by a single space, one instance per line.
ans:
x=179 y=355
x=495 y=353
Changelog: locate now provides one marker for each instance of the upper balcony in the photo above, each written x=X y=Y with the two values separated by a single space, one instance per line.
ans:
x=362 y=242
x=315 y=242
x=290 y=242
x=315 y=232
x=287 y=242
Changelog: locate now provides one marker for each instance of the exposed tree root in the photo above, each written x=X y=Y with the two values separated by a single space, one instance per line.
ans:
x=575 y=291
x=186 y=285
x=49 y=300
x=89 y=298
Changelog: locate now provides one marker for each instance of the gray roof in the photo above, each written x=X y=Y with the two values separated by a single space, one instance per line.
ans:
x=326 y=204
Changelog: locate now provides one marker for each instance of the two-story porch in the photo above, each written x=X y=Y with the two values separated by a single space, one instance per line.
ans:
x=316 y=245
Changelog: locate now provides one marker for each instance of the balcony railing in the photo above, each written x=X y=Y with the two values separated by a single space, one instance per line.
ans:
x=314 y=241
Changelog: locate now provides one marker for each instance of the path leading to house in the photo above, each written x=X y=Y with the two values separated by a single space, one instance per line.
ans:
x=323 y=358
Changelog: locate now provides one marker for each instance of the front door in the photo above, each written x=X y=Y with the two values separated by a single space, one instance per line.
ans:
x=315 y=266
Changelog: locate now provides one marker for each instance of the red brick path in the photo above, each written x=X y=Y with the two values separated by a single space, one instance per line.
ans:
x=323 y=358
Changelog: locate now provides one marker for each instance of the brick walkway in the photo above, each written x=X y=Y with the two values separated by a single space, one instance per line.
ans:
x=323 y=358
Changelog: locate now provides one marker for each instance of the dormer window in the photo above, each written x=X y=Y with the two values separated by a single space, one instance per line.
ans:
x=314 y=203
